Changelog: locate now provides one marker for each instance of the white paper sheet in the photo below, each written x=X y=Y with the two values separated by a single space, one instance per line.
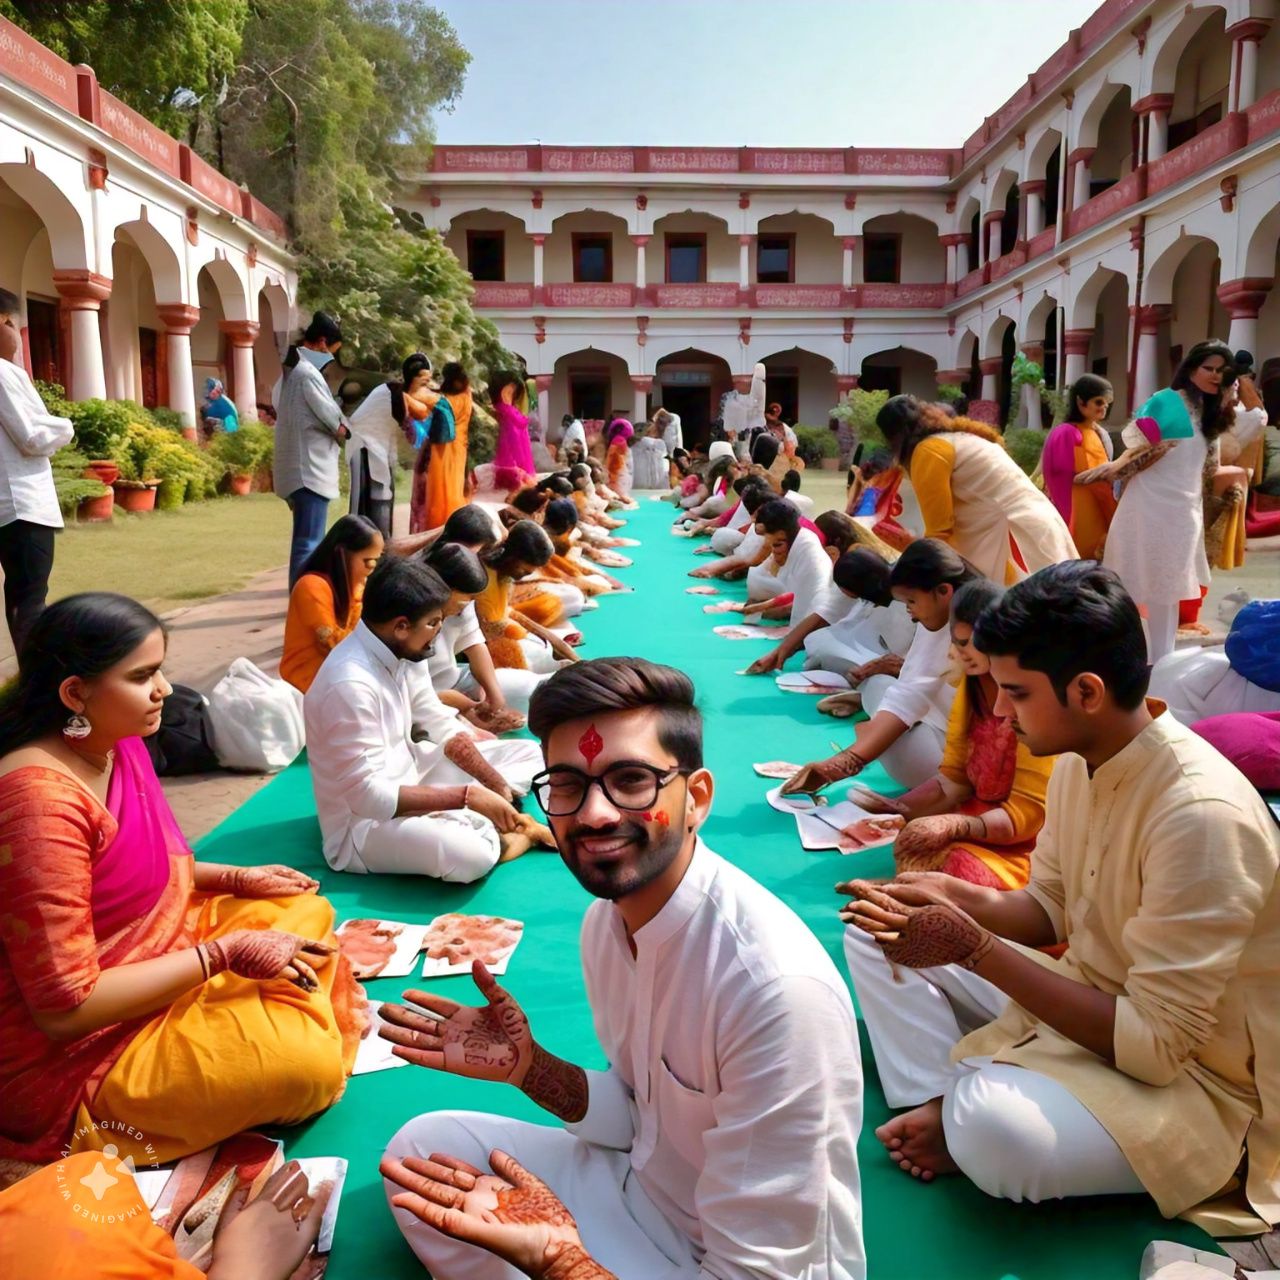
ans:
x=812 y=682
x=326 y=1169
x=375 y=1053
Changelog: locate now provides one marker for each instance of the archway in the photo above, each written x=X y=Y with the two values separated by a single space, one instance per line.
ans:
x=592 y=385
x=589 y=246
x=1006 y=199
x=135 y=356
x=491 y=245
x=27 y=266
x=274 y=322
x=1044 y=165
x=902 y=248
x=796 y=248
x=690 y=247
x=1040 y=328
x=692 y=384
x=1116 y=150
x=1194 y=66
x=803 y=383
x=1197 y=313
x=900 y=371
x=970 y=225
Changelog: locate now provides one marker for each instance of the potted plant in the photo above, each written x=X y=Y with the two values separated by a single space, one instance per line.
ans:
x=101 y=426
x=817 y=445
x=135 y=487
x=241 y=454
x=857 y=410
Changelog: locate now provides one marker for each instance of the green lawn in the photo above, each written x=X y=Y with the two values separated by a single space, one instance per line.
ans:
x=169 y=558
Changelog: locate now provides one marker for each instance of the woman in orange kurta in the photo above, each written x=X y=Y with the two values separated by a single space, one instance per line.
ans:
x=145 y=999
x=1074 y=446
x=446 y=472
x=979 y=817
x=324 y=605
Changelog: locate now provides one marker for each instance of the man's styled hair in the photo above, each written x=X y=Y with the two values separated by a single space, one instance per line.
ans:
x=927 y=565
x=780 y=516
x=865 y=573
x=459 y=567
x=1069 y=619
x=323 y=327
x=601 y=685
x=402 y=587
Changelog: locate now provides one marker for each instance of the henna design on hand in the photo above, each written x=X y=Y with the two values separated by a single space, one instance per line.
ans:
x=273 y=881
x=556 y=1086
x=252 y=953
x=936 y=935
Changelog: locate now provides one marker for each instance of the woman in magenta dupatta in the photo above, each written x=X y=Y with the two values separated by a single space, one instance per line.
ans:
x=513 y=465
x=1075 y=445
x=125 y=1003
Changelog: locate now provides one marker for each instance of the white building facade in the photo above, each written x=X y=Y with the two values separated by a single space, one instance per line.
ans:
x=1124 y=204
x=141 y=269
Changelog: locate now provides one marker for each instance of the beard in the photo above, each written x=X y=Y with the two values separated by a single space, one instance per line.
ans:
x=407 y=654
x=641 y=863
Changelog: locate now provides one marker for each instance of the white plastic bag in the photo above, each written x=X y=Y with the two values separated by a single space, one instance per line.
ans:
x=256 y=720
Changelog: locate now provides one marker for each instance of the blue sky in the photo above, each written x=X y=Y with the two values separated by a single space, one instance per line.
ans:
x=822 y=73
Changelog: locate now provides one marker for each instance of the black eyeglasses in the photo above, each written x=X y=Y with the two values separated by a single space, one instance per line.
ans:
x=628 y=784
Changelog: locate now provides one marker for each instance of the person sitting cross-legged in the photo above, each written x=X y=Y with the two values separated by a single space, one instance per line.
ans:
x=386 y=803
x=1146 y=1058
x=721 y=1142
x=796 y=578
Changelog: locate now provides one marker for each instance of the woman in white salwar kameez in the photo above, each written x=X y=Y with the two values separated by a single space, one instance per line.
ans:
x=972 y=494
x=867 y=623
x=650 y=461
x=1156 y=540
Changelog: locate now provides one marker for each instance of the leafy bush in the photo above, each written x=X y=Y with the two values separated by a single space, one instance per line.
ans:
x=243 y=452
x=950 y=392
x=101 y=425
x=1025 y=444
x=858 y=408
x=815 y=443
x=69 y=481
x=170 y=419
x=482 y=439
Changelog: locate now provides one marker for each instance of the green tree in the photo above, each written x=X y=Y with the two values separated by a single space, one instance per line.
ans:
x=162 y=57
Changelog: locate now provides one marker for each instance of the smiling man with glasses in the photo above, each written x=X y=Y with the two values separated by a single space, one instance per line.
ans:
x=722 y=1139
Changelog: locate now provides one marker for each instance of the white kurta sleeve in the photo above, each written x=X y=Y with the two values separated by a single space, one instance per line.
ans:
x=349 y=734
x=611 y=1112
x=921 y=682
x=35 y=432
x=779 y=1160
x=468 y=634
x=440 y=723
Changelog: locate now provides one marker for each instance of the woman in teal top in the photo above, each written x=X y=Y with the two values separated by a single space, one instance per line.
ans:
x=218 y=409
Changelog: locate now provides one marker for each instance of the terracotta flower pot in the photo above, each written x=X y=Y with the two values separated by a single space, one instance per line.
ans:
x=831 y=464
x=96 y=510
x=191 y=433
x=103 y=469
x=241 y=484
x=135 y=496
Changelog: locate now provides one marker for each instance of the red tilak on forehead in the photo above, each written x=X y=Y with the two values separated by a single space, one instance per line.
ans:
x=591 y=744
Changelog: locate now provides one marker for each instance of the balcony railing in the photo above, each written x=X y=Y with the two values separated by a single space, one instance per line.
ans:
x=493 y=293
x=1007 y=262
x=1214 y=144
x=718 y=296
x=894 y=296
x=520 y=295
x=589 y=295
x=805 y=297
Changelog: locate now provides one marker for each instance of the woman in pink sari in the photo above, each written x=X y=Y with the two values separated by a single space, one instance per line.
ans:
x=145 y=999
x=513 y=465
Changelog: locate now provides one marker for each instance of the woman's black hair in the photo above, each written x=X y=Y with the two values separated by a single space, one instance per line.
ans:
x=765 y=449
x=501 y=380
x=865 y=574
x=470 y=525
x=839 y=530
x=875 y=463
x=413 y=365
x=453 y=379
x=928 y=564
x=322 y=326
x=81 y=635
x=530 y=501
x=1216 y=414
x=560 y=485
x=974 y=599
x=347 y=534
x=560 y=517
x=459 y=567
x=527 y=543
x=1086 y=387
x=791 y=482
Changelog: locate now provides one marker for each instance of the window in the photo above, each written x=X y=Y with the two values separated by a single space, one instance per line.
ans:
x=593 y=259
x=44 y=335
x=881 y=259
x=486 y=255
x=686 y=259
x=775 y=259
x=589 y=393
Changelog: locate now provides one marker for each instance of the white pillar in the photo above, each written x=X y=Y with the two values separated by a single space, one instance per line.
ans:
x=1246 y=36
x=990 y=378
x=951 y=262
x=641 y=387
x=993 y=238
x=538 y=242
x=83 y=293
x=1080 y=192
x=1157 y=134
x=744 y=261
x=178 y=320
x=1075 y=346
x=962 y=259
x=542 y=381
x=1146 y=370
x=1035 y=213
x=241 y=335
x=640 y=242
x=847 y=246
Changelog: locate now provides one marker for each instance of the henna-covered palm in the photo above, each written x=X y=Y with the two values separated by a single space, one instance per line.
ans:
x=273 y=881
x=922 y=842
x=919 y=937
x=492 y=1042
x=512 y=1213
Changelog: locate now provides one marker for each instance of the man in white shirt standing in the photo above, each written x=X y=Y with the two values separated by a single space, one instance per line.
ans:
x=721 y=1142
x=386 y=803
x=29 y=512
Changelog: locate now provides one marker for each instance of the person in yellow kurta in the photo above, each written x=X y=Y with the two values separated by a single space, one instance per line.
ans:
x=1077 y=445
x=972 y=494
x=978 y=818
x=1147 y=1057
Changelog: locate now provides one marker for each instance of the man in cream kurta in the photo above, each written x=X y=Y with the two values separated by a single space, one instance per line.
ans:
x=721 y=1141
x=1157 y=864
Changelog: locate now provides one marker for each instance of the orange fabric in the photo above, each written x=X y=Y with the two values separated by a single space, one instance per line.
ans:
x=69 y=1221
x=616 y=461
x=1092 y=505
x=502 y=636
x=447 y=474
x=537 y=605
x=51 y=832
x=312 y=629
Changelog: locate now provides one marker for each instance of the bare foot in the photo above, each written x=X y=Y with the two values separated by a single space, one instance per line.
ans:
x=515 y=844
x=916 y=1143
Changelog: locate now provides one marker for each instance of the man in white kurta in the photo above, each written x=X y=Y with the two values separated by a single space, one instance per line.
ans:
x=721 y=1141
x=359 y=722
